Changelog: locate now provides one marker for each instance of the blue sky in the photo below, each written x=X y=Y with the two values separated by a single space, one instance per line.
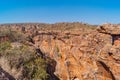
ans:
x=52 y=11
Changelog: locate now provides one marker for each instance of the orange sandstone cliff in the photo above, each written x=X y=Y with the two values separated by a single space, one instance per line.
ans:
x=80 y=53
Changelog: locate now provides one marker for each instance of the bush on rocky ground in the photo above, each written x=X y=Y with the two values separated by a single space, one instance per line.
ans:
x=21 y=62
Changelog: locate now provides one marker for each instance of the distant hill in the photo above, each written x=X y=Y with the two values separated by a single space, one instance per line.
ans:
x=56 y=26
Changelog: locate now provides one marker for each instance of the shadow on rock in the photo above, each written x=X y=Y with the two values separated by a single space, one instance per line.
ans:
x=51 y=69
x=5 y=75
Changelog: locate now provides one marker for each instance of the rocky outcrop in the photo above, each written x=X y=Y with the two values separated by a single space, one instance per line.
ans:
x=84 y=56
x=76 y=57
x=4 y=38
x=109 y=29
x=80 y=54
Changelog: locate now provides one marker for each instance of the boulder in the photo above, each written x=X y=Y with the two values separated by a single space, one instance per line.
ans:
x=111 y=29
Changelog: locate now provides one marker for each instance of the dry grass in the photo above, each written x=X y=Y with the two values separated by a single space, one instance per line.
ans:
x=22 y=62
x=4 y=63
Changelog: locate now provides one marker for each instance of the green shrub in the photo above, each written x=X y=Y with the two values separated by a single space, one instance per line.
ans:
x=4 y=46
x=24 y=56
x=66 y=37
x=57 y=53
x=13 y=35
x=6 y=32
x=36 y=69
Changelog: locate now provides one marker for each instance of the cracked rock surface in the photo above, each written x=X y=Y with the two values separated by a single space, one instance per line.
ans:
x=84 y=54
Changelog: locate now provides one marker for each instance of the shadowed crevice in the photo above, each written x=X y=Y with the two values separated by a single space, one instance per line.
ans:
x=51 y=69
x=6 y=75
x=107 y=69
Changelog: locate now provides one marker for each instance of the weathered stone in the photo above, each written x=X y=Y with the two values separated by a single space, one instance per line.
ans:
x=109 y=29
x=82 y=55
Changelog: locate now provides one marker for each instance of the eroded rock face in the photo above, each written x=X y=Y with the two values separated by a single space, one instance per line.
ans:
x=87 y=56
x=109 y=29
x=82 y=55
x=76 y=57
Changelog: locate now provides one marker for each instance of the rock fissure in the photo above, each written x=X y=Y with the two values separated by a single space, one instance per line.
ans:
x=84 y=54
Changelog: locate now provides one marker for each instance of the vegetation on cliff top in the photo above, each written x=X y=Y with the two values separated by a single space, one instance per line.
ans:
x=23 y=60
x=19 y=59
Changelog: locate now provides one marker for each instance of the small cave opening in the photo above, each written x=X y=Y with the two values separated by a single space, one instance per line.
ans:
x=115 y=39
x=110 y=54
